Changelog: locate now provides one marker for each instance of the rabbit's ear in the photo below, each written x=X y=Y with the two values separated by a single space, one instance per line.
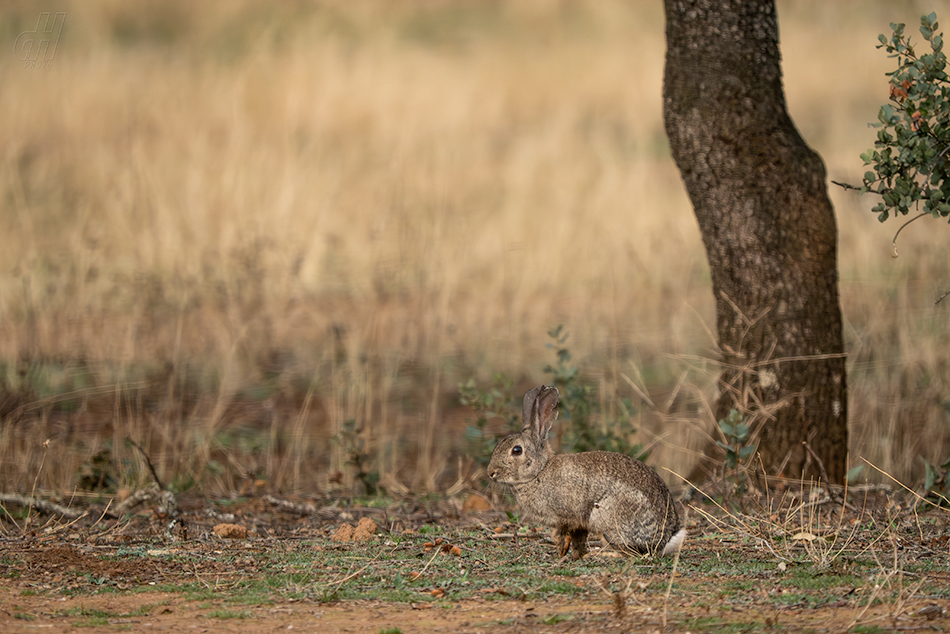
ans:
x=544 y=411
x=548 y=400
x=529 y=399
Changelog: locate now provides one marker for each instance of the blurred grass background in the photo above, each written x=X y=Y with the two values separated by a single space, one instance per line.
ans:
x=230 y=228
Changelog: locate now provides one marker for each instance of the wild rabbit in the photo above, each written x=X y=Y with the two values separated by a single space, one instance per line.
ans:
x=595 y=491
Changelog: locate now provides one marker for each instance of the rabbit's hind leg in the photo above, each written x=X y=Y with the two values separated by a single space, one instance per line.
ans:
x=565 y=537
x=562 y=539
x=579 y=542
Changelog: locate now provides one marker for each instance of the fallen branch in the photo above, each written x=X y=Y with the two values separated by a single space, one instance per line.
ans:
x=140 y=496
x=44 y=506
x=300 y=509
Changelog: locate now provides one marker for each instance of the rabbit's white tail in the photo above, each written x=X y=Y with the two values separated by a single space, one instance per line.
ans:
x=675 y=543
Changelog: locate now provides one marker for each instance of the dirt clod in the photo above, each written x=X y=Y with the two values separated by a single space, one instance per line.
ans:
x=476 y=502
x=364 y=531
x=343 y=534
x=230 y=531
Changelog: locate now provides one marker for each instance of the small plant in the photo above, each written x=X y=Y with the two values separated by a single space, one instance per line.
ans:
x=99 y=472
x=736 y=444
x=579 y=402
x=353 y=444
x=937 y=482
x=735 y=431
x=585 y=428
x=497 y=401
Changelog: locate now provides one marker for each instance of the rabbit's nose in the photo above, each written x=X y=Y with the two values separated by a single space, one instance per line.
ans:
x=493 y=474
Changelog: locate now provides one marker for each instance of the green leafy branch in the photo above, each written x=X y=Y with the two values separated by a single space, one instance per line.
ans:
x=910 y=161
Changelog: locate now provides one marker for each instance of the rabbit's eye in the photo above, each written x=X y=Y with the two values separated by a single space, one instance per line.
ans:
x=517 y=450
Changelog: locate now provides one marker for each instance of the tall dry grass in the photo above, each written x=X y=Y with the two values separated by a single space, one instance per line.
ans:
x=231 y=227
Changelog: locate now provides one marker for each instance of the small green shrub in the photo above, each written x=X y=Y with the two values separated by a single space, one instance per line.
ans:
x=587 y=428
x=937 y=482
x=579 y=406
x=737 y=444
x=735 y=433
x=498 y=401
x=352 y=441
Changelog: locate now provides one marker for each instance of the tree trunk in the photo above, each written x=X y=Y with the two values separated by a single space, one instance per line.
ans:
x=760 y=197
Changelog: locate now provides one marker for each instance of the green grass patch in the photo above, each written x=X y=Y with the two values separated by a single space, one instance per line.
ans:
x=724 y=626
x=91 y=617
x=229 y=614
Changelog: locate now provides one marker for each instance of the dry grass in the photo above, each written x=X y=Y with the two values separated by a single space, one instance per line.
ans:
x=224 y=217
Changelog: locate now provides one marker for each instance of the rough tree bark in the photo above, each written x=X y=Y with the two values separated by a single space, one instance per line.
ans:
x=759 y=194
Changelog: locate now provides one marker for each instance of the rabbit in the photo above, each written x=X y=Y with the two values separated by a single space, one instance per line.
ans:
x=592 y=492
